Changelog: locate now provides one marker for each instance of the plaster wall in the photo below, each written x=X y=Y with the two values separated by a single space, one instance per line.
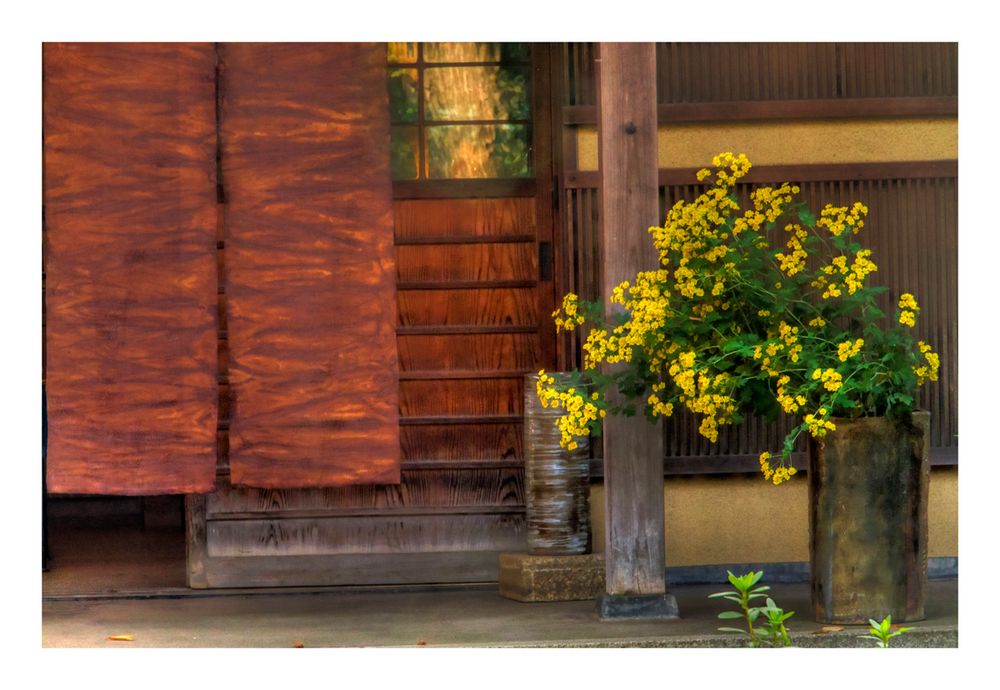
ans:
x=744 y=519
x=796 y=142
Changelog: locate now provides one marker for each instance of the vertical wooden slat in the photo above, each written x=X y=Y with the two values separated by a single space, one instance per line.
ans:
x=633 y=449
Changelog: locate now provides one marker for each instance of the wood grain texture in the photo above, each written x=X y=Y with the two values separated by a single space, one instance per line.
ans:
x=310 y=271
x=130 y=216
x=633 y=448
x=365 y=534
x=487 y=488
x=350 y=569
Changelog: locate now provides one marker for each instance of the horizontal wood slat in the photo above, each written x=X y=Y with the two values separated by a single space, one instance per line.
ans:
x=367 y=535
x=464 y=397
x=349 y=569
x=464 y=218
x=465 y=284
x=460 y=239
x=462 y=442
x=468 y=307
x=450 y=374
x=381 y=512
x=463 y=329
x=129 y=195
x=475 y=262
x=456 y=189
x=476 y=485
x=737 y=111
x=501 y=354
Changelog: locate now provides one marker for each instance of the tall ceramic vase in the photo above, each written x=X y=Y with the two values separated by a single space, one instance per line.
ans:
x=868 y=484
x=558 y=481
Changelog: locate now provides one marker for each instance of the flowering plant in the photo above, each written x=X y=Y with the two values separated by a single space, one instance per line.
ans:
x=751 y=311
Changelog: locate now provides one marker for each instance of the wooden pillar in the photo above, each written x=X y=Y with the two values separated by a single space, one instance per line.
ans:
x=633 y=448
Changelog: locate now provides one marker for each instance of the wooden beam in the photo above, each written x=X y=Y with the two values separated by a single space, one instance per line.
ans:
x=799 y=109
x=633 y=448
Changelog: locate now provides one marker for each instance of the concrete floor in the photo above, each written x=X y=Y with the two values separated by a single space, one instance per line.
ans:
x=452 y=617
x=118 y=578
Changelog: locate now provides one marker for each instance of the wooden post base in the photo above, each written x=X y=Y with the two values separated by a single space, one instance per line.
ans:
x=615 y=607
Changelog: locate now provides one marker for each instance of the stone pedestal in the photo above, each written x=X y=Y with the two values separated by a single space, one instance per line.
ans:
x=526 y=577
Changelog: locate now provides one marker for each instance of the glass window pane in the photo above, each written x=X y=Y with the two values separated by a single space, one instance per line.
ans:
x=476 y=93
x=478 y=151
x=405 y=151
x=403 y=95
x=461 y=52
x=402 y=52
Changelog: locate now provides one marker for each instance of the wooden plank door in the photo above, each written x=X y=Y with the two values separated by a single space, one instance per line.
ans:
x=474 y=294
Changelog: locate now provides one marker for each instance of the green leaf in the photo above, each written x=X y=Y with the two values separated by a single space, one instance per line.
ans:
x=806 y=216
x=721 y=594
x=734 y=630
x=730 y=614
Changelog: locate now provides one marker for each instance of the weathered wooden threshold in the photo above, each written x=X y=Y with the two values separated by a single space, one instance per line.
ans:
x=348 y=569
x=796 y=109
x=206 y=570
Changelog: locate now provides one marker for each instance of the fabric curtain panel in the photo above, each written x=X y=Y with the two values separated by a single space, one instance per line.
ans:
x=310 y=274
x=131 y=285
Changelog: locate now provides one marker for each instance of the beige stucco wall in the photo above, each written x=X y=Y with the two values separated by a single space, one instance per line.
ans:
x=744 y=519
x=796 y=142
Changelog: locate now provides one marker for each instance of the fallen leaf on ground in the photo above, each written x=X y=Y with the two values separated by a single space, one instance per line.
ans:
x=828 y=629
x=421 y=643
x=298 y=645
x=120 y=638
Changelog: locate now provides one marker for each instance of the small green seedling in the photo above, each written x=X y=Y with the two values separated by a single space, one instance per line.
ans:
x=883 y=632
x=773 y=633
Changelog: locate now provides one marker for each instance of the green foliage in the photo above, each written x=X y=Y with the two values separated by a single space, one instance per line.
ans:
x=753 y=309
x=882 y=631
x=771 y=631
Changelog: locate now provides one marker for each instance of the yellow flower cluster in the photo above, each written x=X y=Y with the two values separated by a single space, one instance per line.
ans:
x=795 y=261
x=928 y=371
x=838 y=218
x=730 y=169
x=775 y=475
x=657 y=406
x=818 y=425
x=568 y=317
x=580 y=411
x=788 y=402
x=831 y=380
x=860 y=268
x=768 y=205
x=700 y=393
x=790 y=336
x=818 y=322
x=908 y=305
x=847 y=349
